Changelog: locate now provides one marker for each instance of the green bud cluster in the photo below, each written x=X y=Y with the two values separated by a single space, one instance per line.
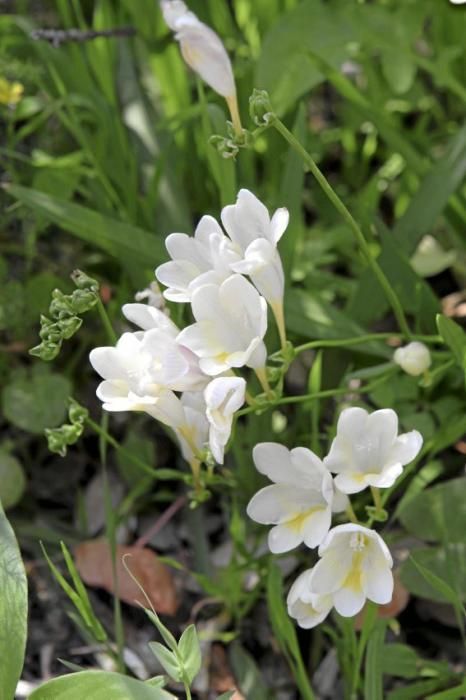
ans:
x=64 y=315
x=69 y=433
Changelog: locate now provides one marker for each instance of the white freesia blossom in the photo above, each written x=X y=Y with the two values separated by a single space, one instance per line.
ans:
x=355 y=564
x=413 y=358
x=134 y=382
x=367 y=450
x=256 y=235
x=231 y=321
x=194 y=432
x=223 y=397
x=167 y=353
x=152 y=295
x=202 y=259
x=204 y=52
x=307 y=608
x=300 y=502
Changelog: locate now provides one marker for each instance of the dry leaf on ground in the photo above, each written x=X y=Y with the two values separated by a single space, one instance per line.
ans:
x=94 y=563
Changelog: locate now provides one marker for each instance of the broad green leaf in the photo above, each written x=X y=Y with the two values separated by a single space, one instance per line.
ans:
x=98 y=685
x=168 y=660
x=36 y=401
x=122 y=240
x=454 y=337
x=398 y=68
x=438 y=514
x=428 y=473
x=12 y=480
x=284 y=69
x=443 y=179
x=247 y=674
x=373 y=676
x=456 y=693
x=437 y=573
x=13 y=610
x=190 y=653
x=400 y=660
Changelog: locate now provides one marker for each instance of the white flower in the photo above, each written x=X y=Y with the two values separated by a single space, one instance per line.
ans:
x=307 y=608
x=355 y=564
x=201 y=47
x=202 y=259
x=167 y=353
x=367 y=450
x=231 y=321
x=193 y=433
x=223 y=396
x=256 y=235
x=300 y=501
x=132 y=381
x=414 y=358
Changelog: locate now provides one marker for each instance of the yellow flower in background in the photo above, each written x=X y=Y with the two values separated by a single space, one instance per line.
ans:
x=10 y=93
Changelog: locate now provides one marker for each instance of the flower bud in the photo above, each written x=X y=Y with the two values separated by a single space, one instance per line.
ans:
x=414 y=358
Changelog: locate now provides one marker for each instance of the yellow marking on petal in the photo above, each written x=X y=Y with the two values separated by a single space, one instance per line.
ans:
x=222 y=357
x=297 y=520
x=353 y=580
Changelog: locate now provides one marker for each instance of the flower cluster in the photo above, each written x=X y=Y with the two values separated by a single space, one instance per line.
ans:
x=355 y=563
x=185 y=377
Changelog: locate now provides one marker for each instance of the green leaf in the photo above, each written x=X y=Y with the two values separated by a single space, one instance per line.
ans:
x=12 y=480
x=123 y=241
x=400 y=660
x=283 y=68
x=454 y=337
x=457 y=693
x=168 y=660
x=247 y=674
x=165 y=633
x=438 y=514
x=190 y=653
x=36 y=401
x=437 y=573
x=285 y=631
x=13 y=610
x=373 y=677
x=226 y=696
x=398 y=68
x=98 y=685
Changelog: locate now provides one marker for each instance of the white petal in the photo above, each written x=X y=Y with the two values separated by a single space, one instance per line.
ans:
x=177 y=275
x=405 y=448
x=273 y=460
x=279 y=223
x=267 y=506
x=331 y=571
x=201 y=339
x=148 y=317
x=316 y=527
x=352 y=422
x=340 y=501
x=348 y=601
x=378 y=582
x=168 y=410
x=386 y=478
x=383 y=426
x=351 y=482
x=283 y=539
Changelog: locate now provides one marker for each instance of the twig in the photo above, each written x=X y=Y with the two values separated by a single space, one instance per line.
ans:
x=56 y=37
x=161 y=522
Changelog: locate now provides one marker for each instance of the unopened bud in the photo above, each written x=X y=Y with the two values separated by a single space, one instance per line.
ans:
x=414 y=358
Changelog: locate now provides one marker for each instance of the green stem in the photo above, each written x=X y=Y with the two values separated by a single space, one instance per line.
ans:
x=351 y=514
x=377 y=498
x=360 y=340
x=112 y=336
x=347 y=216
x=187 y=691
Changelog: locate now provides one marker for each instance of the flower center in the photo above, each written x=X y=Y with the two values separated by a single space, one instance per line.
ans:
x=358 y=541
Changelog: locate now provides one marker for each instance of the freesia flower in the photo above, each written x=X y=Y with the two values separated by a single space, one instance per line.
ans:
x=202 y=259
x=223 y=397
x=256 y=235
x=367 y=450
x=355 y=564
x=133 y=382
x=231 y=321
x=413 y=358
x=307 y=608
x=167 y=352
x=193 y=433
x=204 y=52
x=299 y=503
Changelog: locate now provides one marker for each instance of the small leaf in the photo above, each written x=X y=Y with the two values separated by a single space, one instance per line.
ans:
x=36 y=401
x=190 y=653
x=454 y=337
x=400 y=660
x=168 y=660
x=12 y=480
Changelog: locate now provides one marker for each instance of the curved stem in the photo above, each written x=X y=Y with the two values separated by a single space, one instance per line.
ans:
x=361 y=339
x=347 y=216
